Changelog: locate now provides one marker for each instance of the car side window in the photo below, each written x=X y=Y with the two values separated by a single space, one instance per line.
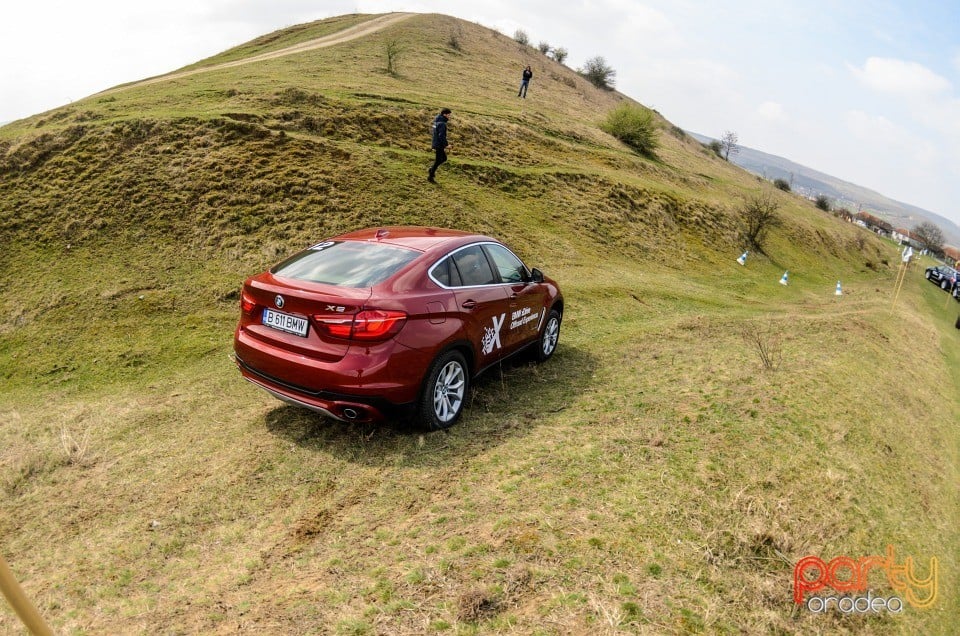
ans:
x=473 y=267
x=441 y=272
x=509 y=267
x=446 y=273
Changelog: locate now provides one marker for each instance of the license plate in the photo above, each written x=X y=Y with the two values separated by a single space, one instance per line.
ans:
x=285 y=322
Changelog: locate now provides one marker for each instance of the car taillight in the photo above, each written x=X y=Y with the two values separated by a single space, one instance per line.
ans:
x=377 y=324
x=336 y=327
x=247 y=304
x=368 y=325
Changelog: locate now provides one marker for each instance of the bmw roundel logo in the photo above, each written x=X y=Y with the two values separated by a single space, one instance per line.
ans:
x=279 y=301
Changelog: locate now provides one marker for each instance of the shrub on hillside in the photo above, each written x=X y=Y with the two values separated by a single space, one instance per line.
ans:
x=521 y=37
x=822 y=202
x=756 y=217
x=393 y=52
x=633 y=125
x=544 y=47
x=599 y=73
x=559 y=54
x=782 y=184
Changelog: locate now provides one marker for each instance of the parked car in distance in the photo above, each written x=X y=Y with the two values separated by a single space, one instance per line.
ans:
x=392 y=322
x=944 y=276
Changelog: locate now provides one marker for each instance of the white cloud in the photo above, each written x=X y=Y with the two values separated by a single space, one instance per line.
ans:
x=874 y=128
x=772 y=111
x=878 y=134
x=638 y=25
x=941 y=116
x=897 y=76
x=926 y=95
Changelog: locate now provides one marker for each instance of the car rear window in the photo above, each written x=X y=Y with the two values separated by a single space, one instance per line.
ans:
x=346 y=263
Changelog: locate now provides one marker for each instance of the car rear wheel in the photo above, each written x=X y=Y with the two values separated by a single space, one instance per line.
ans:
x=944 y=284
x=444 y=392
x=549 y=337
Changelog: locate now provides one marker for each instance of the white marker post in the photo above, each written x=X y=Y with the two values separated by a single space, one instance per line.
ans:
x=901 y=273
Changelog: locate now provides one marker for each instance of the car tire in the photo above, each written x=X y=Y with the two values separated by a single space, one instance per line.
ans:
x=944 y=284
x=444 y=392
x=929 y=274
x=549 y=336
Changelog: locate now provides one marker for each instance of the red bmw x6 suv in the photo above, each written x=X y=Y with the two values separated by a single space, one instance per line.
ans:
x=392 y=322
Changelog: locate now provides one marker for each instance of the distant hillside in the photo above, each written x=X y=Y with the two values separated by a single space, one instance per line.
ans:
x=810 y=182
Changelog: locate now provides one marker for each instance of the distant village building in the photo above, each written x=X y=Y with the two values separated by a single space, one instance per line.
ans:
x=952 y=254
x=903 y=237
x=873 y=223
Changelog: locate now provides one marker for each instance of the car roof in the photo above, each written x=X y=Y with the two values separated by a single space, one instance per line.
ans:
x=420 y=238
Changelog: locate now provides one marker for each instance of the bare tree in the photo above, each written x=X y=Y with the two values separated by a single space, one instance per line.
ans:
x=559 y=54
x=768 y=342
x=930 y=235
x=728 y=143
x=757 y=216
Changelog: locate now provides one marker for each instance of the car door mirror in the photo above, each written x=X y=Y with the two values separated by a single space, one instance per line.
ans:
x=536 y=275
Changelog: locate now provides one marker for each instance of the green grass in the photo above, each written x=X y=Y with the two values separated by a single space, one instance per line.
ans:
x=652 y=478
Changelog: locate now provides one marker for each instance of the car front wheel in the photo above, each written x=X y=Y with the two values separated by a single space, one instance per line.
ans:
x=929 y=274
x=944 y=284
x=444 y=392
x=549 y=337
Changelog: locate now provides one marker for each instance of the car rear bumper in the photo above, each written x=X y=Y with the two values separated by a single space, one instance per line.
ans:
x=344 y=407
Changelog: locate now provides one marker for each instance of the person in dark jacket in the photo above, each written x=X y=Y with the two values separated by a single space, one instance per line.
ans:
x=525 y=81
x=440 y=144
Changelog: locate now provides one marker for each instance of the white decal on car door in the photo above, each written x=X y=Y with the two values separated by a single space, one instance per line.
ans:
x=491 y=336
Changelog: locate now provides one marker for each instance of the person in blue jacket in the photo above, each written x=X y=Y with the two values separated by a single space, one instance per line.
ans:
x=440 y=144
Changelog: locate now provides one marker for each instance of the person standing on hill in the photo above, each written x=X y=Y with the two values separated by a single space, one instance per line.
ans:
x=440 y=144
x=525 y=81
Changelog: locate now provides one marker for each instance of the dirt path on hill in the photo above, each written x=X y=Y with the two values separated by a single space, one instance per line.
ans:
x=357 y=31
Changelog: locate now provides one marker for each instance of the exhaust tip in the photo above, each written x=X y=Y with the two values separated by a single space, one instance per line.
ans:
x=351 y=414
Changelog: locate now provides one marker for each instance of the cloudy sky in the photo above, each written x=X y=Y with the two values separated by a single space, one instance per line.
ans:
x=864 y=90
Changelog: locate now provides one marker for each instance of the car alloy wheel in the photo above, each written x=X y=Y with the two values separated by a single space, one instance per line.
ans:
x=445 y=391
x=549 y=336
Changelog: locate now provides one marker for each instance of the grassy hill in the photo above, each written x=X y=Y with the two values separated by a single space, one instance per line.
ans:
x=654 y=477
